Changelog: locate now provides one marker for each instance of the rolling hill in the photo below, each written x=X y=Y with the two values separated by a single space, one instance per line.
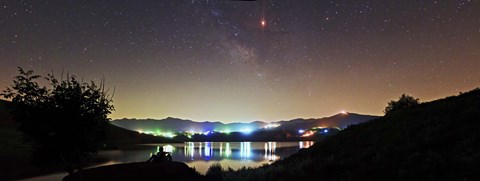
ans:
x=116 y=136
x=174 y=124
x=340 y=121
x=438 y=140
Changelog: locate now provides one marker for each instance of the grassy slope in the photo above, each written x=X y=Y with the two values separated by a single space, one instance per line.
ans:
x=439 y=140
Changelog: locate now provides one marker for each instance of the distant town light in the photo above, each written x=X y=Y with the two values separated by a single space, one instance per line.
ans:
x=301 y=131
x=227 y=131
x=268 y=126
x=246 y=130
x=309 y=133
x=343 y=112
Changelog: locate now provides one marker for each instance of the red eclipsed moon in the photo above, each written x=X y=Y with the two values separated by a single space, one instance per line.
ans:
x=263 y=23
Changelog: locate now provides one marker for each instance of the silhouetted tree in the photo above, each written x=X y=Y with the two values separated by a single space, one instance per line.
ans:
x=214 y=172
x=65 y=123
x=403 y=102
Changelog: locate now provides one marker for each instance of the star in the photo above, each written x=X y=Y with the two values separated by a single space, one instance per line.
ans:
x=371 y=45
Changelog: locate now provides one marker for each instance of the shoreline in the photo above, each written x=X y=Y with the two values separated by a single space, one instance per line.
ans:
x=139 y=171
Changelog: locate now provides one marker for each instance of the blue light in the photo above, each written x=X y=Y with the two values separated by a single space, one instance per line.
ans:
x=207 y=133
x=325 y=131
x=246 y=130
x=208 y=149
x=301 y=131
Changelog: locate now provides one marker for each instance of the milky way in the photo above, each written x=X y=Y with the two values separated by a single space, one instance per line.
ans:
x=248 y=60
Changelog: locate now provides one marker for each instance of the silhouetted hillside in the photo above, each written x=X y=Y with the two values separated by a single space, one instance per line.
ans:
x=121 y=137
x=116 y=136
x=438 y=140
x=179 y=125
x=15 y=151
x=339 y=120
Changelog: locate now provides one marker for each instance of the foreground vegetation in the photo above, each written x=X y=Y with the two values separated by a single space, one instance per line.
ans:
x=18 y=154
x=438 y=140
x=65 y=123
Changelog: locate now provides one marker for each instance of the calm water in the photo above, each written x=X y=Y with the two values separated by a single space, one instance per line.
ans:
x=202 y=154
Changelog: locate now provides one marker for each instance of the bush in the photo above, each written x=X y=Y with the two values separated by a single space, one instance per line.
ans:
x=65 y=123
x=214 y=172
x=403 y=102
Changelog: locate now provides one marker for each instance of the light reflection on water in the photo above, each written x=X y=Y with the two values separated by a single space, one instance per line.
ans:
x=202 y=154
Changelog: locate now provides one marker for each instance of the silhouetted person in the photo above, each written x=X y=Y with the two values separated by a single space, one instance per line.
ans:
x=160 y=156
x=168 y=156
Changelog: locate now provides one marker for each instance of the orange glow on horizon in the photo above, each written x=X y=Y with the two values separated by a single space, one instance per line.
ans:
x=310 y=133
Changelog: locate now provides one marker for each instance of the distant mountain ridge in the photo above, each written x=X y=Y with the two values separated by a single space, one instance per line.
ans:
x=171 y=124
x=437 y=140
x=339 y=120
x=116 y=136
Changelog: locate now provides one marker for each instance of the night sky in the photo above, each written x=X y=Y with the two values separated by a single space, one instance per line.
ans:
x=229 y=61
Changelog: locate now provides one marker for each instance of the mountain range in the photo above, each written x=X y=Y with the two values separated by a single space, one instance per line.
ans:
x=116 y=136
x=170 y=124
x=437 y=140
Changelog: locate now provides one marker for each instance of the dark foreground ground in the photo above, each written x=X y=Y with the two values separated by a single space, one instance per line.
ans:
x=139 y=171
x=16 y=158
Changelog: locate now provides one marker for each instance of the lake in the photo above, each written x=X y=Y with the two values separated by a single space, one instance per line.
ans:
x=202 y=154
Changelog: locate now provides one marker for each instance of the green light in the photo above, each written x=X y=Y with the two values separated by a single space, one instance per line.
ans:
x=227 y=131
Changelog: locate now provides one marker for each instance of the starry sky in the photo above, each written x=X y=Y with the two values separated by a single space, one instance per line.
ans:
x=241 y=61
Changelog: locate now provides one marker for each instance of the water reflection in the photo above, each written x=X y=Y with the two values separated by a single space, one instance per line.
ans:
x=245 y=150
x=305 y=144
x=228 y=151
x=235 y=151
x=270 y=151
x=202 y=154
